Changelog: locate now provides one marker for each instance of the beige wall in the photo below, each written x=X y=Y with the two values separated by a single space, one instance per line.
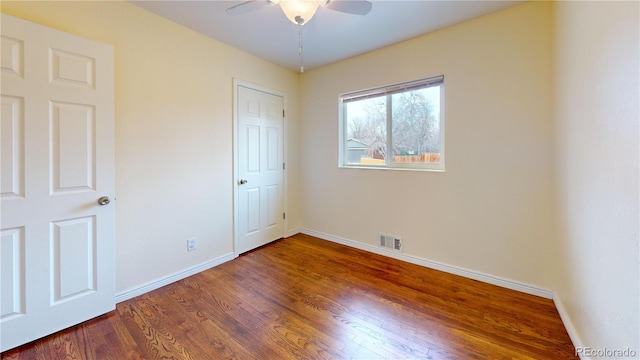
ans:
x=491 y=210
x=541 y=184
x=597 y=169
x=173 y=109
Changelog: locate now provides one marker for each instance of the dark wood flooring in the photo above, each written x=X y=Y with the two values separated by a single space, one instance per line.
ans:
x=305 y=298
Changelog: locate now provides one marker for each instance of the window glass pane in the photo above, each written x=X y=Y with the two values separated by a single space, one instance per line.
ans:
x=398 y=126
x=366 y=122
x=415 y=125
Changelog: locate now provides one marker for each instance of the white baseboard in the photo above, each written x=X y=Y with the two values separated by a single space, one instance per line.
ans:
x=471 y=274
x=153 y=285
x=292 y=232
x=568 y=324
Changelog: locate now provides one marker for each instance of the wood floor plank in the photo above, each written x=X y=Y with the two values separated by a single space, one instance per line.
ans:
x=248 y=336
x=306 y=298
x=300 y=296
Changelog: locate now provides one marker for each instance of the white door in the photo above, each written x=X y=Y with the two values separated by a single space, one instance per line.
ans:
x=57 y=159
x=260 y=149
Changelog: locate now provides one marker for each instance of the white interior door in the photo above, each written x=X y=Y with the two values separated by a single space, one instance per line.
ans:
x=57 y=160
x=260 y=153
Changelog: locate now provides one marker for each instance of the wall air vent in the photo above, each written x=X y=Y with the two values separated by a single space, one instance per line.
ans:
x=390 y=242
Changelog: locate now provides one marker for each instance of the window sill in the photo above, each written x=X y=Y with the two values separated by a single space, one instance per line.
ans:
x=398 y=168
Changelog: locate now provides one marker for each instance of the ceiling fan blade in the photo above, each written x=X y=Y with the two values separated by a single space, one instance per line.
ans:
x=247 y=6
x=356 y=7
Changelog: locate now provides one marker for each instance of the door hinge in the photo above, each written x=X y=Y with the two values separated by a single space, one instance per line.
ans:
x=284 y=216
x=282 y=166
x=282 y=113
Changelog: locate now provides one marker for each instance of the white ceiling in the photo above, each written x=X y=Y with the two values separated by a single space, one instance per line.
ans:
x=330 y=36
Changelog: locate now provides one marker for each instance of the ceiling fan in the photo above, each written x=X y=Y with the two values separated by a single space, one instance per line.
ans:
x=301 y=11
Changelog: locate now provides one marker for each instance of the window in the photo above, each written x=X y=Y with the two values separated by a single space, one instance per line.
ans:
x=398 y=126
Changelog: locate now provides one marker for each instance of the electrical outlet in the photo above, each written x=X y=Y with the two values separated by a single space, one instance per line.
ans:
x=192 y=244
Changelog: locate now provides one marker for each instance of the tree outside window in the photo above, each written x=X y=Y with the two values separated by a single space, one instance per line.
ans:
x=400 y=126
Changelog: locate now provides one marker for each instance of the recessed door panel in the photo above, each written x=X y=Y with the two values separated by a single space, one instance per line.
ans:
x=253 y=211
x=13 y=271
x=253 y=149
x=273 y=205
x=253 y=108
x=71 y=69
x=272 y=149
x=72 y=147
x=12 y=147
x=12 y=56
x=73 y=258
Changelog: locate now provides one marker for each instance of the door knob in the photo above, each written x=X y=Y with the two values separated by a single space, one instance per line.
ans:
x=242 y=182
x=104 y=201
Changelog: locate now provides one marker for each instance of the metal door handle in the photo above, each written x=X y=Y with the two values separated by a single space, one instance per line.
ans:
x=104 y=201
x=242 y=182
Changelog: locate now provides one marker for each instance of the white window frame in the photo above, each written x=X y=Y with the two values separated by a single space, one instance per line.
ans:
x=390 y=90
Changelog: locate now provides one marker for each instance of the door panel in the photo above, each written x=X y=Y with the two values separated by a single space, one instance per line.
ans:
x=72 y=135
x=260 y=163
x=253 y=211
x=273 y=149
x=73 y=242
x=72 y=69
x=253 y=149
x=58 y=264
x=13 y=270
x=274 y=213
x=12 y=148
x=12 y=51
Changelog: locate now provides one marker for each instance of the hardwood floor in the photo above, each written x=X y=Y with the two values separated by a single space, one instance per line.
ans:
x=305 y=298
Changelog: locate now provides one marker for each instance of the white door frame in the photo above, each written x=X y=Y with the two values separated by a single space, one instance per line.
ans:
x=236 y=227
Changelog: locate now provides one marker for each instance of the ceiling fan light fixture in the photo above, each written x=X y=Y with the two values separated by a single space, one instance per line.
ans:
x=299 y=11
